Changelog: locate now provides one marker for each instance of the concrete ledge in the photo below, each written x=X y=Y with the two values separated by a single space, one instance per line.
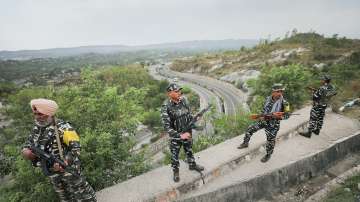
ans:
x=157 y=185
x=280 y=180
x=333 y=184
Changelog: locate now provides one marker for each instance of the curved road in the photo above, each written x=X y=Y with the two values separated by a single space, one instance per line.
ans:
x=232 y=97
x=206 y=96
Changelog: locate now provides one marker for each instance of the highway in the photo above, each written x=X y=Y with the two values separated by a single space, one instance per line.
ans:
x=230 y=97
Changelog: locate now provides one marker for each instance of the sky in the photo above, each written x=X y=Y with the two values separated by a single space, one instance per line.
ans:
x=40 y=24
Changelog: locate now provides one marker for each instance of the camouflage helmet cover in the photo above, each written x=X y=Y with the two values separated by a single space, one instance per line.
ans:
x=277 y=87
x=172 y=87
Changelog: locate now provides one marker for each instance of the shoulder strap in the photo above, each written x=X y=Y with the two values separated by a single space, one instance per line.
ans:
x=61 y=152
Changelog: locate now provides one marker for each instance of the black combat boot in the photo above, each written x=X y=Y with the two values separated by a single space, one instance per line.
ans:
x=306 y=133
x=196 y=167
x=176 y=175
x=266 y=158
x=243 y=145
x=316 y=132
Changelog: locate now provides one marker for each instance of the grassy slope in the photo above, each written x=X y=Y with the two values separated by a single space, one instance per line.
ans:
x=308 y=49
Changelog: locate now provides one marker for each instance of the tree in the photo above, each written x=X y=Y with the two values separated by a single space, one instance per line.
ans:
x=294 y=77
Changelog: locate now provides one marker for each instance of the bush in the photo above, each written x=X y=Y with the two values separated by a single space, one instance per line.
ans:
x=104 y=114
x=152 y=119
x=294 y=77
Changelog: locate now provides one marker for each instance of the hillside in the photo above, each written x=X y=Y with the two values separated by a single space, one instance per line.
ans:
x=313 y=53
x=310 y=49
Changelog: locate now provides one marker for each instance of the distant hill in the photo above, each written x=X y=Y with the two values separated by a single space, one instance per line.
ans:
x=191 y=46
x=310 y=49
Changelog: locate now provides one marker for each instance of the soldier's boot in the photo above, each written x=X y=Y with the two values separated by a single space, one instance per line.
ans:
x=196 y=167
x=176 y=175
x=306 y=133
x=243 y=145
x=316 y=132
x=265 y=158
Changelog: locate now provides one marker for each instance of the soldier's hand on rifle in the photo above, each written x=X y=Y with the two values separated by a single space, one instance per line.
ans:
x=278 y=115
x=28 y=154
x=185 y=136
x=58 y=168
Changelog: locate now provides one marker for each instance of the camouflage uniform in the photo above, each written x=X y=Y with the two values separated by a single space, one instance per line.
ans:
x=175 y=117
x=320 y=98
x=271 y=126
x=67 y=186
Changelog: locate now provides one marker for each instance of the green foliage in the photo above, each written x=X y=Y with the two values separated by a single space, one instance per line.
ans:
x=39 y=70
x=344 y=73
x=355 y=58
x=294 y=77
x=204 y=142
x=152 y=119
x=258 y=104
x=228 y=126
x=105 y=109
x=340 y=195
x=7 y=88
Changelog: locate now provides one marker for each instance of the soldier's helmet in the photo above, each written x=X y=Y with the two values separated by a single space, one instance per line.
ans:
x=326 y=78
x=277 y=87
x=173 y=86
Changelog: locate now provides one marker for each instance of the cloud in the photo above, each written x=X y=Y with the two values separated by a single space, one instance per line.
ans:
x=34 y=24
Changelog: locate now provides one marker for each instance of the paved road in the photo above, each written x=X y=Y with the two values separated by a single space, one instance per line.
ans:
x=206 y=96
x=232 y=98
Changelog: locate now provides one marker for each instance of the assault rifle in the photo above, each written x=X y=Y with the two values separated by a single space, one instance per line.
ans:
x=267 y=116
x=51 y=159
x=191 y=126
x=195 y=118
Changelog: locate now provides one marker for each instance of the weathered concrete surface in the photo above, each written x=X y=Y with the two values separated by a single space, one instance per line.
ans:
x=294 y=161
x=333 y=184
x=224 y=159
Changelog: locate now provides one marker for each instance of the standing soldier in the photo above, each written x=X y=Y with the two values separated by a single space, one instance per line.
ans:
x=275 y=109
x=57 y=138
x=176 y=116
x=320 y=97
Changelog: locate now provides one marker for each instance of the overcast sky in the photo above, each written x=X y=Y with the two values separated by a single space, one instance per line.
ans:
x=38 y=24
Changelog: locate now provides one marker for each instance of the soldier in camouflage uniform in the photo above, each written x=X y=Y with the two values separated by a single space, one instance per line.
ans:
x=45 y=135
x=276 y=109
x=176 y=115
x=320 y=97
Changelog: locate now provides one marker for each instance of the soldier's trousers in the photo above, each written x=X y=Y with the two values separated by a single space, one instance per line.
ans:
x=271 y=129
x=72 y=188
x=175 y=146
x=317 y=115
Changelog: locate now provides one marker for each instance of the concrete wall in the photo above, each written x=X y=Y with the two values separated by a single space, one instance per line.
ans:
x=280 y=180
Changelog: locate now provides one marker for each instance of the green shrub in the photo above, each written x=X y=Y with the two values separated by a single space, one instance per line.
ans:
x=294 y=77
